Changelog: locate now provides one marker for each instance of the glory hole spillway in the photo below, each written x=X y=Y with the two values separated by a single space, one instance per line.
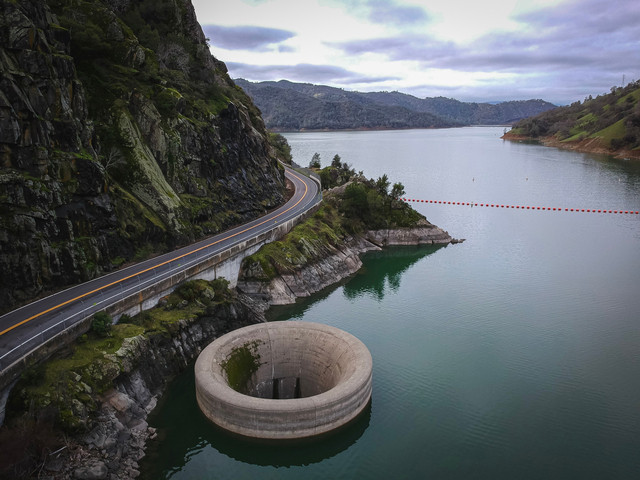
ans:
x=283 y=380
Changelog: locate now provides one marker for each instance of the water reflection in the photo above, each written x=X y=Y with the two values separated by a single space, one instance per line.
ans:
x=371 y=279
x=184 y=433
x=297 y=310
x=289 y=454
x=386 y=271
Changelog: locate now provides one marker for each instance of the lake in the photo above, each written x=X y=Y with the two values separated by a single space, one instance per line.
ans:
x=514 y=355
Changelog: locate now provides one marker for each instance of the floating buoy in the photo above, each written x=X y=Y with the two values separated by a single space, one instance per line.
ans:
x=523 y=207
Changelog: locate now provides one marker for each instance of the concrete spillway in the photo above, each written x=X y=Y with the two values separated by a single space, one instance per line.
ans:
x=283 y=380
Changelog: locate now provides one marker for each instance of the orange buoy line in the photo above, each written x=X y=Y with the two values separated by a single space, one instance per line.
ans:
x=525 y=207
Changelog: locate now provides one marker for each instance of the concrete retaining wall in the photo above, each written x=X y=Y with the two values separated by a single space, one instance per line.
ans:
x=225 y=264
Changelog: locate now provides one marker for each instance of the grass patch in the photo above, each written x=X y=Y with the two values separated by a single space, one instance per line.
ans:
x=69 y=384
x=241 y=364
x=635 y=96
x=306 y=242
x=46 y=377
x=576 y=137
x=612 y=132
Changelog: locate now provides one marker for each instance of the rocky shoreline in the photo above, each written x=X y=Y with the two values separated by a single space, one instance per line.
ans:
x=341 y=263
x=115 y=444
x=112 y=448
x=587 y=145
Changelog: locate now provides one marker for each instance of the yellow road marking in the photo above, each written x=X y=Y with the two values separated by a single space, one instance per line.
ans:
x=306 y=189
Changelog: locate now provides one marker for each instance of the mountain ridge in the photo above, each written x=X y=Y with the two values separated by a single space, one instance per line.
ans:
x=287 y=105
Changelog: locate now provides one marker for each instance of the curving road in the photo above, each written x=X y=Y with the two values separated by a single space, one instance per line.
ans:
x=24 y=329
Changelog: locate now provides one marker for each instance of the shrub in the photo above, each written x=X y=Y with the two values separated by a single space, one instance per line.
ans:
x=315 y=161
x=220 y=285
x=101 y=324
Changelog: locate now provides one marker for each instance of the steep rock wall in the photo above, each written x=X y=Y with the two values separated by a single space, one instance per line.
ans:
x=120 y=136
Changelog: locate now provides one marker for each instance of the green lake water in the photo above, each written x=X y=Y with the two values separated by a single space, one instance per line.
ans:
x=514 y=355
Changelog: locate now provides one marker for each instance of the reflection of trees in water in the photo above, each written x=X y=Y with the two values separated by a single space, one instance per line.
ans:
x=384 y=270
x=385 y=266
x=185 y=433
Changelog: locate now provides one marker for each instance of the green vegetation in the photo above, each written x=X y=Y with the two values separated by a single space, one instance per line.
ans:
x=66 y=387
x=365 y=204
x=359 y=204
x=336 y=174
x=368 y=206
x=315 y=161
x=282 y=147
x=241 y=364
x=613 y=119
x=307 y=241
x=102 y=324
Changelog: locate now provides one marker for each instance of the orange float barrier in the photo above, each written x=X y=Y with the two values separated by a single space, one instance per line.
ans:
x=549 y=209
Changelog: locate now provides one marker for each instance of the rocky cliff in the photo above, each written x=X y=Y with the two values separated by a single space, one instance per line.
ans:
x=120 y=136
x=315 y=271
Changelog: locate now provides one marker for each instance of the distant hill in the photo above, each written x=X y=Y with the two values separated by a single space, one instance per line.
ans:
x=298 y=106
x=609 y=123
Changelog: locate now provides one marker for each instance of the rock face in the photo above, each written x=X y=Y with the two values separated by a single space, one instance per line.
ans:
x=120 y=136
x=113 y=447
x=337 y=263
x=425 y=234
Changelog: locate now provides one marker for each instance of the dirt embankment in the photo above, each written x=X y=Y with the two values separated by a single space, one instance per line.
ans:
x=586 y=145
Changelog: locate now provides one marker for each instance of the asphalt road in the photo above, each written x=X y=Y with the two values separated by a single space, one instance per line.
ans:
x=29 y=326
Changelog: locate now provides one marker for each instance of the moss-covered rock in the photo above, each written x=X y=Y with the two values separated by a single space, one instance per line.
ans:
x=120 y=136
x=96 y=395
x=355 y=217
x=71 y=385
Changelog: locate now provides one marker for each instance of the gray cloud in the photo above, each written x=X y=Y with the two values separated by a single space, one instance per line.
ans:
x=245 y=37
x=302 y=72
x=587 y=17
x=385 y=12
x=567 y=51
x=408 y=47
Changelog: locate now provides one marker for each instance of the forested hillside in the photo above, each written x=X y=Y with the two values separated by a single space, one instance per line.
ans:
x=297 y=106
x=609 y=122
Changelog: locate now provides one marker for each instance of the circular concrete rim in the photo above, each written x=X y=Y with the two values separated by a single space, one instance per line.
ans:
x=288 y=418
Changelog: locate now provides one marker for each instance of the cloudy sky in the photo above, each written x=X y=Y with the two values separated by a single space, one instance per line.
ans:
x=471 y=50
